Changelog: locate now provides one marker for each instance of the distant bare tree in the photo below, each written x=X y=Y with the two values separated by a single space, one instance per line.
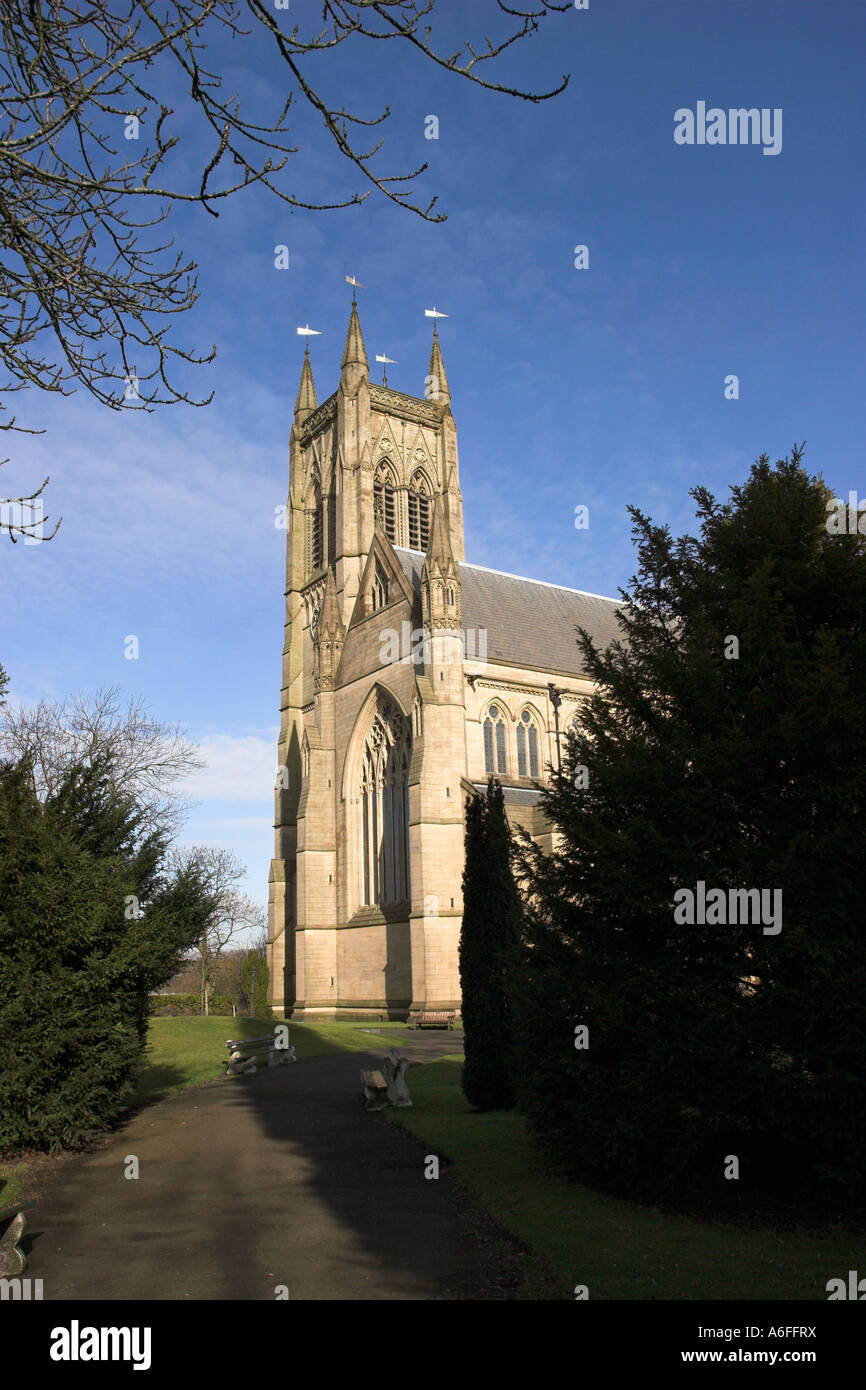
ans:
x=234 y=913
x=227 y=974
x=145 y=758
x=259 y=942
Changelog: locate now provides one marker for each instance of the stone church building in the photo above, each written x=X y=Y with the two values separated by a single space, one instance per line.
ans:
x=409 y=676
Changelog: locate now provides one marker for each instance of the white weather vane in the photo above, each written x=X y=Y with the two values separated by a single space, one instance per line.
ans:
x=389 y=361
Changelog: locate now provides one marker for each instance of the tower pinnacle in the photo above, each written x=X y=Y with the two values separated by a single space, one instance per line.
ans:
x=354 y=366
x=306 y=399
x=437 y=382
x=439 y=552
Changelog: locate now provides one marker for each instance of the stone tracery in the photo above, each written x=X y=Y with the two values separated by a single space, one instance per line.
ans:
x=384 y=809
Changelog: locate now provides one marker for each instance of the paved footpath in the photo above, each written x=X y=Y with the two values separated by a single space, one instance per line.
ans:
x=250 y=1182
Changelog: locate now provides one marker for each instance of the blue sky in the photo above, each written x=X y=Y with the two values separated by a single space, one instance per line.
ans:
x=601 y=387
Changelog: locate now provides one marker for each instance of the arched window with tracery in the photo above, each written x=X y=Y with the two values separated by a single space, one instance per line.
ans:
x=385 y=875
x=419 y=512
x=384 y=504
x=527 y=746
x=314 y=528
x=495 y=758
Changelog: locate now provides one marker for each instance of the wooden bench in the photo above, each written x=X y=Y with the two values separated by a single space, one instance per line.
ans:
x=388 y=1085
x=244 y=1051
x=374 y=1089
x=435 y=1018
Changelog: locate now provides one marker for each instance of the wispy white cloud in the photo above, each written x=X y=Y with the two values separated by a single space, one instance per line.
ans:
x=238 y=768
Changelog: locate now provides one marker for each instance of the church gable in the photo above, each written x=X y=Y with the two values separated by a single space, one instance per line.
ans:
x=383 y=582
x=383 y=611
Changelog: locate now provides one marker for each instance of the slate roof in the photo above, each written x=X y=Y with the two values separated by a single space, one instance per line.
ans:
x=529 y=623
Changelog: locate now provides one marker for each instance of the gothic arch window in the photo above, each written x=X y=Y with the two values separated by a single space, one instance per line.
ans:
x=384 y=504
x=527 y=746
x=419 y=512
x=314 y=528
x=495 y=759
x=379 y=591
x=384 y=803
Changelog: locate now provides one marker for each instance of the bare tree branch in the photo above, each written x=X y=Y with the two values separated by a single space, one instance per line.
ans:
x=19 y=518
x=87 y=293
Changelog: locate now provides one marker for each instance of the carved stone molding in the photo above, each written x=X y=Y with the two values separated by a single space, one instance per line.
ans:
x=320 y=416
x=406 y=407
x=475 y=681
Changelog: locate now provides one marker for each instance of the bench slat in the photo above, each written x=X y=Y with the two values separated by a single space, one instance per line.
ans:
x=374 y=1079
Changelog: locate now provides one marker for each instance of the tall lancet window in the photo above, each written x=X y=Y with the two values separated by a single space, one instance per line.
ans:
x=385 y=879
x=495 y=759
x=332 y=529
x=527 y=746
x=419 y=512
x=379 y=589
x=314 y=528
x=384 y=504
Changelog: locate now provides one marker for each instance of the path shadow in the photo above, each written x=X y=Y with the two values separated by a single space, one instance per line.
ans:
x=278 y=1178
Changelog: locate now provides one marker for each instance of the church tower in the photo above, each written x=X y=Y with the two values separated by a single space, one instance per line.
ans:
x=409 y=679
x=372 y=472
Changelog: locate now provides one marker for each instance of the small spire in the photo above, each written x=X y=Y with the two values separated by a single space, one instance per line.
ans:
x=437 y=381
x=439 y=541
x=354 y=353
x=306 y=400
x=329 y=616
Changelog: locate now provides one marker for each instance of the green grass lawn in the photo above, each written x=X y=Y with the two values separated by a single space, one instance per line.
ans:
x=184 y=1051
x=616 y=1248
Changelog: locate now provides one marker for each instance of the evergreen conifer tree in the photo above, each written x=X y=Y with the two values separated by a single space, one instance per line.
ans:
x=724 y=747
x=89 y=924
x=489 y=941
